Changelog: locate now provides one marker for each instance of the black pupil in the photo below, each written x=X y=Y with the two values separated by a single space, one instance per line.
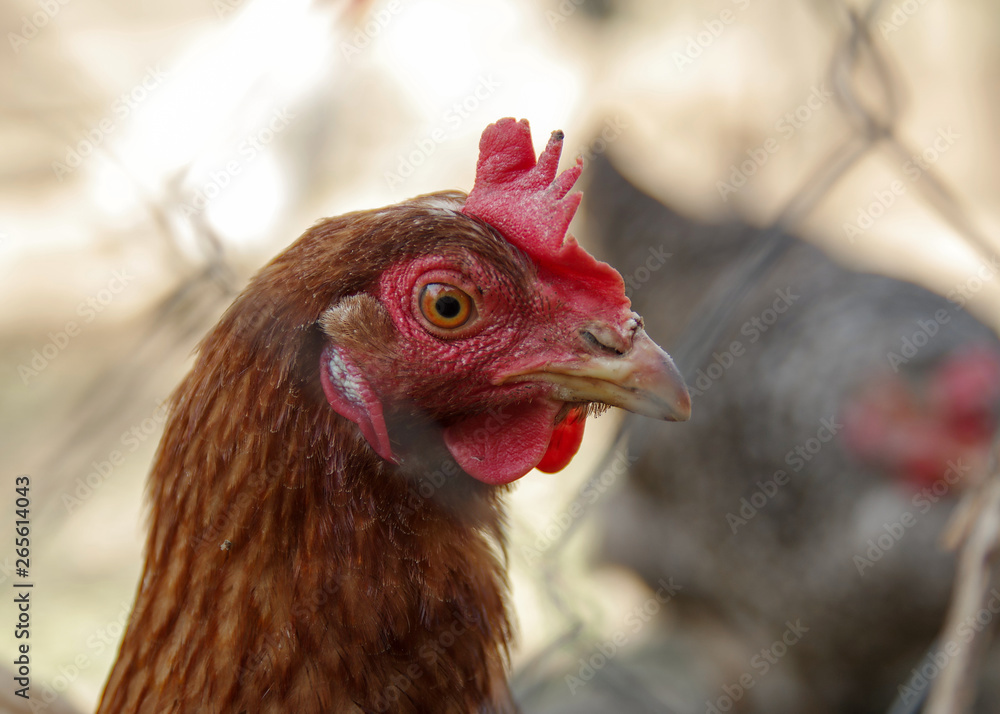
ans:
x=448 y=306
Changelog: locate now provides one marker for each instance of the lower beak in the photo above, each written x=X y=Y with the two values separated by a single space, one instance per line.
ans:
x=644 y=380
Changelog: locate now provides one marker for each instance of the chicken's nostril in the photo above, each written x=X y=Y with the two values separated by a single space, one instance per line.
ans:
x=601 y=345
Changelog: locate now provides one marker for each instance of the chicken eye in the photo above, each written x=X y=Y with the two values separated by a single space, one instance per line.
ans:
x=445 y=305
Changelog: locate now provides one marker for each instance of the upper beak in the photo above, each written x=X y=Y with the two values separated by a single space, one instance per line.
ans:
x=644 y=380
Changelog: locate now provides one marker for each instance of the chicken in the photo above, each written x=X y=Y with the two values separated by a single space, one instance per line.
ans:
x=829 y=404
x=326 y=532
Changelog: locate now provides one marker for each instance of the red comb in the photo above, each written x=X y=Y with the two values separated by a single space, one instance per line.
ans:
x=532 y=207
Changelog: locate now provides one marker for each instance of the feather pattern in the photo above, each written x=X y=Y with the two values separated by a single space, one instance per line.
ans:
x=306 y=608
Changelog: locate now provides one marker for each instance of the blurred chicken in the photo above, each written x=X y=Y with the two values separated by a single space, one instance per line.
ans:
x=837 y=418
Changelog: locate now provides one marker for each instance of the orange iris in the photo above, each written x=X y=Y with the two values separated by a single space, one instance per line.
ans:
x=445 y=305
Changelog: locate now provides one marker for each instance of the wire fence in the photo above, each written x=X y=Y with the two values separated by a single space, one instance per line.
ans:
x=205 y=279
x=875 y=130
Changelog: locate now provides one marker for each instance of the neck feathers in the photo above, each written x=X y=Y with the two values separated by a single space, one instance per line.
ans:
x=288 y=567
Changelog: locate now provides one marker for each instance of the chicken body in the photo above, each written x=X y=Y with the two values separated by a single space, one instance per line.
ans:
x=289 y=567
x=325 y=533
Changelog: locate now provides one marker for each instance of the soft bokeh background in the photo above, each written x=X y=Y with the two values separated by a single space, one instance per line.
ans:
x=153 y=155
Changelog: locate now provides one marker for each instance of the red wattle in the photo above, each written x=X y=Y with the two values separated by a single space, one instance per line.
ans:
x=501 y=446
x=565 y=442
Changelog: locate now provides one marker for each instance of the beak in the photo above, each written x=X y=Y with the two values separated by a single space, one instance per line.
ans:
x=644 y=380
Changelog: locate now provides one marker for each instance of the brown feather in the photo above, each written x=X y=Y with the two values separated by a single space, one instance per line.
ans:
x=288 y=567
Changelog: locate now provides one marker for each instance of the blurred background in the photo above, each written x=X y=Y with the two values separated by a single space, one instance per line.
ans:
x=155 y=155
